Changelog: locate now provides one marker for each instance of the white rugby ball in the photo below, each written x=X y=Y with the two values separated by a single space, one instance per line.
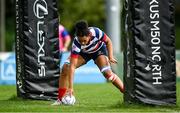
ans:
x=68 y=100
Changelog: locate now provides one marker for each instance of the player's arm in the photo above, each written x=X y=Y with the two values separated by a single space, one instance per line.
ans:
x=72 y=67
x=75 y=50
x=108 y=42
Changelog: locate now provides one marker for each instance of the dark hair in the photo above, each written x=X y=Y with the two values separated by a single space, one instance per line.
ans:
x=82 y=28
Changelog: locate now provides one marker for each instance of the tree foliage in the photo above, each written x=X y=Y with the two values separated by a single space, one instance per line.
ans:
x=71 y=11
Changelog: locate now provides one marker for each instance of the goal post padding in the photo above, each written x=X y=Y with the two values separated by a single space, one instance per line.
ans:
x=37 y=49
x=149 y=52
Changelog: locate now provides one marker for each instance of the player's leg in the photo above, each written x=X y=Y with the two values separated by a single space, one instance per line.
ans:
x=103 y=64
x=63 y=84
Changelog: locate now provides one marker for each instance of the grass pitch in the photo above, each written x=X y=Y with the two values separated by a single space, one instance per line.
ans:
x=89 y=98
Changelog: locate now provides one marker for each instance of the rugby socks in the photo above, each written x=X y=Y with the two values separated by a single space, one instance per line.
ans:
x=61 y=93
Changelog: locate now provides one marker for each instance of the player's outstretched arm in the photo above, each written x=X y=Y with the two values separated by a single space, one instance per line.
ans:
x=110 y=50
x=72 y=67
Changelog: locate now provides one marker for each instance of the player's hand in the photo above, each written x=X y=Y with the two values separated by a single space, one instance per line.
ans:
x=113 y=60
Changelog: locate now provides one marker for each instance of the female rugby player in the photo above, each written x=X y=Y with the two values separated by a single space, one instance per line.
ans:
x=89 y=43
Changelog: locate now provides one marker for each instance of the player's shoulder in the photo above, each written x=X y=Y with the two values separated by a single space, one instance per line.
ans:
x=76 y=38
x=76 y=42
x=94 y=30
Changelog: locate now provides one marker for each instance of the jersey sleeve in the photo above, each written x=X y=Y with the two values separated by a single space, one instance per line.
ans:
x=75 y=50
x=104 y=37
x=100 y=34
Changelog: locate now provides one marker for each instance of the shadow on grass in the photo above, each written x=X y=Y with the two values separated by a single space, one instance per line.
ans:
x=145 y=107
x=15 y=98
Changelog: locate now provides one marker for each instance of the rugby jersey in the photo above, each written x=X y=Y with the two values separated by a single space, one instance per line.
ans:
x=97 y=40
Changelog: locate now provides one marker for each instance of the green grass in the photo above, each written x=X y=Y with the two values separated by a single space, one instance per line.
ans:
x=90 y=98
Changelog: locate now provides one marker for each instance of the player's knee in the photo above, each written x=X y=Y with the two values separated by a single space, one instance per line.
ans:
x=67 y=62
x=109 y=75
x=64 y=70
x=65 y=67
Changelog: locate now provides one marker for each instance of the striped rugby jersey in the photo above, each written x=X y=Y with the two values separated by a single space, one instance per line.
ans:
x=97 y=40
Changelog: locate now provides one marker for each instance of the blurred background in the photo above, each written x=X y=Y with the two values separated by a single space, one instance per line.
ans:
x=96 y=12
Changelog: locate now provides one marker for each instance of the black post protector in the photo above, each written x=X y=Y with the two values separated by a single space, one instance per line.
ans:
x=149 y=57
x=37 y=50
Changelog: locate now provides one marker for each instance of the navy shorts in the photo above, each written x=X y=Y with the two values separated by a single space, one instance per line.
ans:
x=89 y=56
